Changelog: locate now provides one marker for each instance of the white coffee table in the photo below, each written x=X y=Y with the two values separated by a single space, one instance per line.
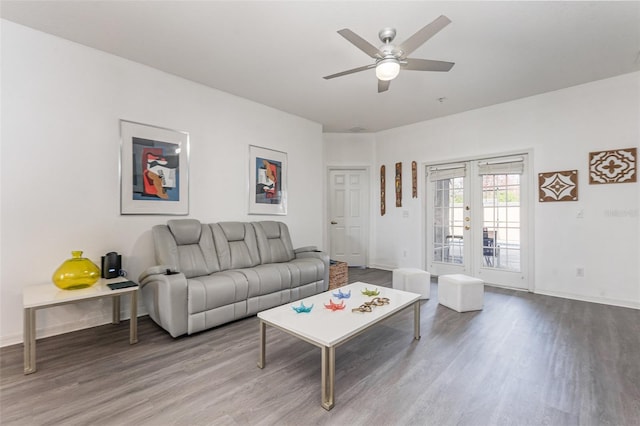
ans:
x=328 y=329
x=46 y=295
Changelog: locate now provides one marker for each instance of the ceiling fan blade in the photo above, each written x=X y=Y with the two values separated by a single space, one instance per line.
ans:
x=351 y=71
x=426 y=65
x=383 y=85
x=360 y=43
x=419 y=38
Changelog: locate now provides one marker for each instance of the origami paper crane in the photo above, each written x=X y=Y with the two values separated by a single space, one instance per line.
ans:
x=335 y=306
x=302 y=309
x=341 y=295
x=368 y=292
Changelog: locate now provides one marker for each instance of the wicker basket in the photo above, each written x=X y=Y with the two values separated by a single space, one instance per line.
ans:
x=338 y=275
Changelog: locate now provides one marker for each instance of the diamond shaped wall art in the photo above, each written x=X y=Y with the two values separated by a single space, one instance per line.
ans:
x=616 y=166
x=558 y=186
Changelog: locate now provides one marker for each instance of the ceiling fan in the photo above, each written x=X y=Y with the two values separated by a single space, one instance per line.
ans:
x=389 y=58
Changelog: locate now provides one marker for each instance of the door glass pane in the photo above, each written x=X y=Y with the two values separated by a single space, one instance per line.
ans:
x=501 y=221
x=448 y=223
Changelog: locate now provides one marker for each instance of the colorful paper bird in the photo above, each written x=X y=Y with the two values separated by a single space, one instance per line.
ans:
x=341 y=295
x=368 y=292
x=335 y=306
x=302 y=309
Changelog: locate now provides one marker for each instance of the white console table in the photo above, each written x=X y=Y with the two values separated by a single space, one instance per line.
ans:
x=42 y=296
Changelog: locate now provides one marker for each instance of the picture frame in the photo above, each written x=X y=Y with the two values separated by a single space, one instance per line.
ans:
x=154 y=170
x=267 y=186
x=558 y=186
x=399 y=184
x=613 y=166
x=383 y=186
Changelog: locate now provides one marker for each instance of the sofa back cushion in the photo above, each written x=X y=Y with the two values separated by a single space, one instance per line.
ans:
x=236 y=245
x=274 y=242
x=187 y=245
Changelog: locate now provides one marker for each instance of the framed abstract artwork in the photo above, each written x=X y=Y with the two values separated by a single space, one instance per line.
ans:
x=154 y=170
x=616 y=166
x=267 y=181
x=558 y=186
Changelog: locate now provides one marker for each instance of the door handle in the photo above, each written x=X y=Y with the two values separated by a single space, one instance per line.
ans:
x=333 y=222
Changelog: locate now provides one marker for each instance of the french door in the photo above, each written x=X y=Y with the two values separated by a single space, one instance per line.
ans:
x=477 y=220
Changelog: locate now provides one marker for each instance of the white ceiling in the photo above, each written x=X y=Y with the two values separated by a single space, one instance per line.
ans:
x=276 y=53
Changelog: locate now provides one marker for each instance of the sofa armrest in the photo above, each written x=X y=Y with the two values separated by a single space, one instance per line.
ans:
x=316 y=254
x=165 y=297
x=306 y=249
x=157 y=270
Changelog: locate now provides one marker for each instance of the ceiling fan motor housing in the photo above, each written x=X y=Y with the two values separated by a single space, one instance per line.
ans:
x=387 y=35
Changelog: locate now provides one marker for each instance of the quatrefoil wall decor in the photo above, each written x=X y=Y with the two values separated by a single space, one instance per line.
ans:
x=616 y=166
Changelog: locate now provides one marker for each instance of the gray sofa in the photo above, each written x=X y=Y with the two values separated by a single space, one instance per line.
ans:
x=210 y=274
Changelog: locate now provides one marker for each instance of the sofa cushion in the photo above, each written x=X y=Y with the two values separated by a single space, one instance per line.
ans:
x=185 y=231
x=265 y=279
x=187 y=245
x=274 y=242
x=305 y=271
x=236 y=245
x=216 y=290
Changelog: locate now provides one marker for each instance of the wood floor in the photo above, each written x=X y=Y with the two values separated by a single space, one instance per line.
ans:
x=523 y=360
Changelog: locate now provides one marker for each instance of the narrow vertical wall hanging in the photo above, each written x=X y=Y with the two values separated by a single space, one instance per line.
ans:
x=616 y=166
x=414 y=179
x=383 y=183
x=558 y=186
x=398 y=184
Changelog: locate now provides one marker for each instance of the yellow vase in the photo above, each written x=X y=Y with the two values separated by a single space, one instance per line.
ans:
x=77 y=272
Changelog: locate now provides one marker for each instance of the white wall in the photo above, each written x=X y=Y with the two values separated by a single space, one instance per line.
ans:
x=561 y=128
x=351 y=150
x=61 y=103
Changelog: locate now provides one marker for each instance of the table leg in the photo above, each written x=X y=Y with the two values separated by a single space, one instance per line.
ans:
x=328 y=376
x=263 y=343
x=416 y=320
x=115 y=307
x=29 y=337
x=133 y=320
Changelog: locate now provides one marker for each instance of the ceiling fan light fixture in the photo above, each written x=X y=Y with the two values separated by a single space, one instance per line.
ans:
x=387 y=69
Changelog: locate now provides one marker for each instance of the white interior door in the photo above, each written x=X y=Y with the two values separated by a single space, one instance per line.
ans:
x=348 y=215
x=477 y=220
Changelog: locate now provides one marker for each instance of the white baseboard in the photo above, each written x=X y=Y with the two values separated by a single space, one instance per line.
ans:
x=102 y=320
x=592 y=299
x=68 y=327
x=383 y=267
x=571 y=296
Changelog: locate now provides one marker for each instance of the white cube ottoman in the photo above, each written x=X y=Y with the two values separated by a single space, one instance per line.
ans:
x=461 y=292
x=413 y=280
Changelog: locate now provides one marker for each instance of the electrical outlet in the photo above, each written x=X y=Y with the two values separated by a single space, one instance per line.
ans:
x=404 y=253
x=580 y=272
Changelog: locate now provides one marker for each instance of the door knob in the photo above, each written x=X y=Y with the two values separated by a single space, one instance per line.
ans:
x=467 y=227
x=333 y=222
